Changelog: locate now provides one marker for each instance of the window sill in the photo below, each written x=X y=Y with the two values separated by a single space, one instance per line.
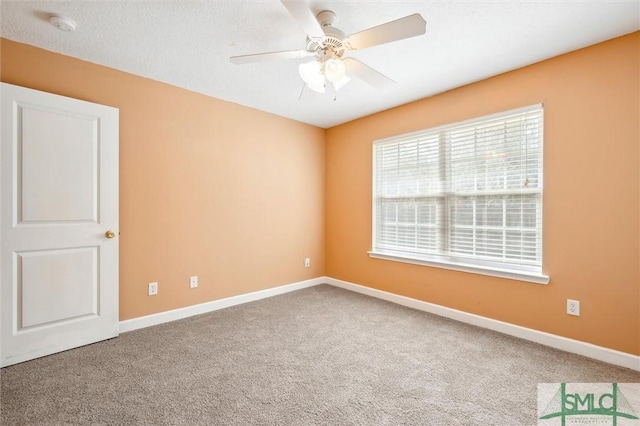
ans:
x=531 y=277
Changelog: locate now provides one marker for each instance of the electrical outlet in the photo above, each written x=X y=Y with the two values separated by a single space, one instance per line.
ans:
x=307 y=262
x=153 y=289
x=573 y=307
x=193 y=282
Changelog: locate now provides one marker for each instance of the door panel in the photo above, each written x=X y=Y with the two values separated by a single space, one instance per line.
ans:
x=59 y=183
x=44 y=279
x=58 y=179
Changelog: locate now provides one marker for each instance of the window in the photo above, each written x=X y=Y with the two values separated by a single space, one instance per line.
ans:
x=466 y=196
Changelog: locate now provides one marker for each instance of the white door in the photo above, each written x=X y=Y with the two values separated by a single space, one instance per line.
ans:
x=59 y=230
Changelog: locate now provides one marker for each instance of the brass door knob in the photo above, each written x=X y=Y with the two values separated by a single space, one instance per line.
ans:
x=109 y=234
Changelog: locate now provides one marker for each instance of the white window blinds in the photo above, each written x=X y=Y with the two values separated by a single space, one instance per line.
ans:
x=467 y=193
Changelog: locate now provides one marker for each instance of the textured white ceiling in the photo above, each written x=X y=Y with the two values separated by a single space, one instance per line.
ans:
x=188 y=43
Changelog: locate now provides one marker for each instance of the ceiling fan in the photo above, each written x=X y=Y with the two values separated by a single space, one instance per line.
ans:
x=327 y=45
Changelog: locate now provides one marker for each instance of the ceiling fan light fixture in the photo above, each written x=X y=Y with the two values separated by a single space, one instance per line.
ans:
x=327 y=45
x=334 y=70
x=317 y=87
x=311 y=73
x=315 y=72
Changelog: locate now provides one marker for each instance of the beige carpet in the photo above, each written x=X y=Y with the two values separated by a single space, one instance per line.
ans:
x=319 y=356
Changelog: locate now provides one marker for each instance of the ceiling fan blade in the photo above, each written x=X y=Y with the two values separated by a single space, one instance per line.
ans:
x=304 y=17
x=367 y=74
x=271 y=56
x=409 y=26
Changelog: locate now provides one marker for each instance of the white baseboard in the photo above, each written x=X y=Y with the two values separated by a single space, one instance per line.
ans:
x=558 y=342
x=589 y=350
x=203 y=308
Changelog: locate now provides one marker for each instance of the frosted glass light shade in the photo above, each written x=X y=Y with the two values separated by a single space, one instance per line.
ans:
x=334 y=70
x=311 y=73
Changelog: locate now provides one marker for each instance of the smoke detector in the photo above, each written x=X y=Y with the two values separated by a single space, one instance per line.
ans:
x=63 y=23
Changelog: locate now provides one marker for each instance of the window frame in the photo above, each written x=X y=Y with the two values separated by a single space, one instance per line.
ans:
x=446 y=259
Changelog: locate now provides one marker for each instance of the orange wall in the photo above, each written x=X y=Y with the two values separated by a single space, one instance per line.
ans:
x=196 y=197
x=207 y=187
x=591 y=213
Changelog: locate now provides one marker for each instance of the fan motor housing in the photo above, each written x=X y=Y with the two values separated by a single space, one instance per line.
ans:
x=328 y=42
x=333 y=39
